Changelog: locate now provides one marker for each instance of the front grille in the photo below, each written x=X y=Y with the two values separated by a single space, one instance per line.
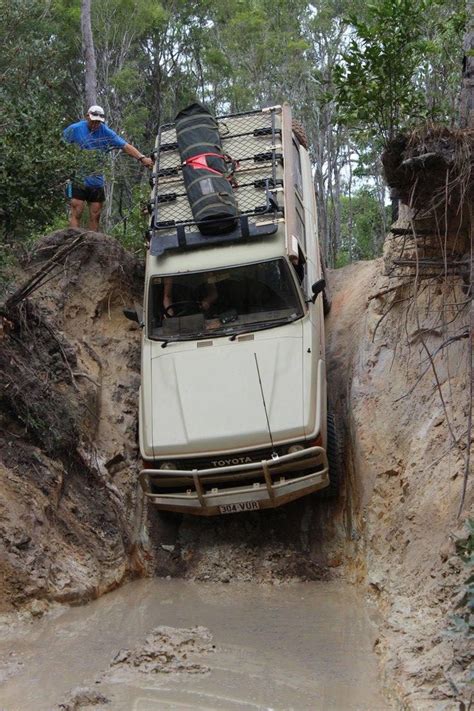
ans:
x=228 y=459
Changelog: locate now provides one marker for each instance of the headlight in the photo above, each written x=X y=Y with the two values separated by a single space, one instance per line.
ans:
x=168 y=466
x=295 y=448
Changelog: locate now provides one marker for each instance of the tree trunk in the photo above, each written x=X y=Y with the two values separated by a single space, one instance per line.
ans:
x=466 y=118
x=321 y=211
x=350 y=225
x=336 y=205
x=89 y=54
x=380 y=187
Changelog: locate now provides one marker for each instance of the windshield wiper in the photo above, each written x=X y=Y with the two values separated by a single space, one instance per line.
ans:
x=274 y=322
x=262 y=325
x=230 y=330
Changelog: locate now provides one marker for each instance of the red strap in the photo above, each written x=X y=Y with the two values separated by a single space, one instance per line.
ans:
x=200 y=162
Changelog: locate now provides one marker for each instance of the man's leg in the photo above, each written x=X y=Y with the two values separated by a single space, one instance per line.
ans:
x=77 y=208
x=95 y=208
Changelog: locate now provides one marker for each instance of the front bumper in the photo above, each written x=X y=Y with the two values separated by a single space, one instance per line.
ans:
x=239 y=487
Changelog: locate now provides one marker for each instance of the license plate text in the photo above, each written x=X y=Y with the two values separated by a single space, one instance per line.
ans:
x=237 y=508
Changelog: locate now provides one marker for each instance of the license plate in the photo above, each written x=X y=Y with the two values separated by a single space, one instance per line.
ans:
x=238 y=508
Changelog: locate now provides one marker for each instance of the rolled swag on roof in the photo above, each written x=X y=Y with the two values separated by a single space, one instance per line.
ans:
x=204 y=164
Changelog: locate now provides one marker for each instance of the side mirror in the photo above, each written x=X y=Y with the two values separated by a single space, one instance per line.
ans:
x=317 y=288
x=135 y=314
x=131 y=314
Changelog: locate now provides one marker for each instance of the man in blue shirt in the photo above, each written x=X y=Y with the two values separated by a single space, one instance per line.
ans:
x=92 y=134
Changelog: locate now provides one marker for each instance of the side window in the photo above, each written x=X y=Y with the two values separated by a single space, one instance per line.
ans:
x=298 y=185
x=297 y=175
x=299 y=266
x=300 y=224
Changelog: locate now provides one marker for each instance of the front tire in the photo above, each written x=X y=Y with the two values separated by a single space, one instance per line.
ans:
x=334 y=452
x=326 y=293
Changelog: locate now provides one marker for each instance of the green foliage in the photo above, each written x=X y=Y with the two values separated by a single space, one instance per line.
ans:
x=361 y=225
x=439 y=72
x=375 y=79
x=34 y=163
x=464 y=621
x=133 y=222
x=397 y=62
x=34 y=169
x=7 y=264
x=263 y=52
x=402 y=65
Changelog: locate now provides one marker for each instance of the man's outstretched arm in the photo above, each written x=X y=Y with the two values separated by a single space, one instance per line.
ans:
x=132 y=151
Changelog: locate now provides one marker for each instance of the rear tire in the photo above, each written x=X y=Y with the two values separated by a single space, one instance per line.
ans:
x=326 y=302
x=334 y=452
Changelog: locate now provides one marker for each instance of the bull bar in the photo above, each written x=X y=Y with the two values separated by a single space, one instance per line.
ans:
x=204 y=497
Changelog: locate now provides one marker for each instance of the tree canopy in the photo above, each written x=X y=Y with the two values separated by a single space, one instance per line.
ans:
x=354 y=74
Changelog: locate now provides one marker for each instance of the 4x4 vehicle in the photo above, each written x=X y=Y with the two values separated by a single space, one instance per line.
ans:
x=233 y=412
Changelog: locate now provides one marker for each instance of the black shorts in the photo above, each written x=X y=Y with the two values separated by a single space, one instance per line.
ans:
x=83 y=192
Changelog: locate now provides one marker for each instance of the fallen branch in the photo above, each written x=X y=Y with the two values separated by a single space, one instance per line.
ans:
x=419 y=161
x=386 y=313
x=382 y=292
x=65 y=358
x=39 y=277
x=407 y=231
x=85 y=375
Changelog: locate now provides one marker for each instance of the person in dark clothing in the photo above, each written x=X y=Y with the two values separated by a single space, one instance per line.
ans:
x=92 y=134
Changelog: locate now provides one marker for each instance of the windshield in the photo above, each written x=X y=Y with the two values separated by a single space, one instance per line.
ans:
x=223 y=301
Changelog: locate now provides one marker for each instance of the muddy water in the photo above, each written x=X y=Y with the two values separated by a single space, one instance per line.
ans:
x=301 y=646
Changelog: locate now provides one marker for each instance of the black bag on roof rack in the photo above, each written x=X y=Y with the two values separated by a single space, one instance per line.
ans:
x=205 y=167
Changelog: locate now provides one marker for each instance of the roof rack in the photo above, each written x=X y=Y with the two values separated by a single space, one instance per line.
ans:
x=254 y=140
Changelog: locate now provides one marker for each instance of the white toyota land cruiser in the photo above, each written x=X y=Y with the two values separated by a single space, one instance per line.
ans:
x=233 y=413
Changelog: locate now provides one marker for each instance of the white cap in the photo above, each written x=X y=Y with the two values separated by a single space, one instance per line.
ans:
x=96 y=113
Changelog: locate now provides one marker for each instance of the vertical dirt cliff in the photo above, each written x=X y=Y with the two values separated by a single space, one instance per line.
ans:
x=399 y=365
x=69 y=375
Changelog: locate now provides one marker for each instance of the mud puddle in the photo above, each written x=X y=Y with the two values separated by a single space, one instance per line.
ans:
x=169 y=644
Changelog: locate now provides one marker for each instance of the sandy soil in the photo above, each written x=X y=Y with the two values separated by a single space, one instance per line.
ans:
x=404 y=474
x=69 y=370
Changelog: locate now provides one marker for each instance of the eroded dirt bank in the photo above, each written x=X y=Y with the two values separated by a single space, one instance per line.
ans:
x=71 y=522
x=69 y=374
x=403 y=412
